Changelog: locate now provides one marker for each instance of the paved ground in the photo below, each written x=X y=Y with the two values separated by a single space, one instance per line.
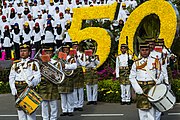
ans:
x=102 y=111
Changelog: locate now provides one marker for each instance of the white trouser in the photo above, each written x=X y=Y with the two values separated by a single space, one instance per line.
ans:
x=125 y=93
x=23 y=116
x=78 y=95
x=45 y=109
x=92 y=92
x=67 y=102
x=157 y=114
x=147 y=114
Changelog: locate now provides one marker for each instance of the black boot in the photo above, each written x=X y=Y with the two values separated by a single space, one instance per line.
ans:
x=70 y=114
x=94 y=102
x=64 y=114
x=89 y=103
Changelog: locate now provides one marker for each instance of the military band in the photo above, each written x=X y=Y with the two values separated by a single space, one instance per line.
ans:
x=79 y=69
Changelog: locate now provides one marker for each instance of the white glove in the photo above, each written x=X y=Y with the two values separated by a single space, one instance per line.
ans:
x=166 y=82
x=30 y=84
x=14 y=91
x=139 y=91
x=54 y=41
x=158 y=81
x=0 y=45
x=12 y=43
x=31 y=42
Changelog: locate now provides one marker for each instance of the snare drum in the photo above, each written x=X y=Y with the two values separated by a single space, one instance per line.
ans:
x=29 y=101
x=161 y=97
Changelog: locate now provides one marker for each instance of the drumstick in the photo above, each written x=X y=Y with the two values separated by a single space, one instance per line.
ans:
x=148 y=96
x=153 y=90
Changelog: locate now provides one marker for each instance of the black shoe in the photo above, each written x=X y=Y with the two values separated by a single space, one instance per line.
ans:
x=94 y=102
x=63 y=114
x=128 y=103
x=76 y=109
x=122 y=103
x=80 y=109
x=70 y=114
x=90 y=102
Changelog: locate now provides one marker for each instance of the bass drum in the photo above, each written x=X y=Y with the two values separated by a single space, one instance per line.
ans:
x=161 y=97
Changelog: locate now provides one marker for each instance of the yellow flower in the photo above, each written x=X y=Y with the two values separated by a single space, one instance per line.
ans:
x=100 y=35
x=166 y=14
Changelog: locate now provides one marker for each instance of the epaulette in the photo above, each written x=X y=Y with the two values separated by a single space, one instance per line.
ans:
x=137 y=59
x=16 y=61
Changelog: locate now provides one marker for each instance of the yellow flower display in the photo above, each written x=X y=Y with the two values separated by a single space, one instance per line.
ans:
x=166 y=14
x=100 y=35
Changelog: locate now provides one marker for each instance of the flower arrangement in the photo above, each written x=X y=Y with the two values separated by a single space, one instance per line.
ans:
x=166 y=14
x=100 y=35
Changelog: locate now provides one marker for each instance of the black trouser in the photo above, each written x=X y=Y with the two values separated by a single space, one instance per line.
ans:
x=8 y=52
x=58 y=43
x=37 y=46
x=17 y=52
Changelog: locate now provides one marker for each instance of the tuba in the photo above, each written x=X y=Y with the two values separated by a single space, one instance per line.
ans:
x=49 y=71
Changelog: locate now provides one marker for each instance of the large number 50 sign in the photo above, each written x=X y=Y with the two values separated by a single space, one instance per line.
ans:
x=161 y=8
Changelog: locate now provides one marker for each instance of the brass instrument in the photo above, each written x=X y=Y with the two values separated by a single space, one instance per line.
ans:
x=50 y=71
x=67 y=72
x=63 y=60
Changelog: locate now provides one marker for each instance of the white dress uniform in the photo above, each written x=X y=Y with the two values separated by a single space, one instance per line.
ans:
x=67 y=102
x=122 y=61
x=137 y=75
x=31 y=74
x=158 y=55
x=92 y=89
x=79 y=92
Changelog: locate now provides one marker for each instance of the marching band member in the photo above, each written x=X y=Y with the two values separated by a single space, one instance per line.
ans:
x=91 y=78
x=49 y=93
x=157 y=55
x=122 y=73
x=17 y=78
x=78 y=79
x=66 y=89
x=141 y=79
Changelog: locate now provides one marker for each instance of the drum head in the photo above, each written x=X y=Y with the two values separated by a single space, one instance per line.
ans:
x=157 y=92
